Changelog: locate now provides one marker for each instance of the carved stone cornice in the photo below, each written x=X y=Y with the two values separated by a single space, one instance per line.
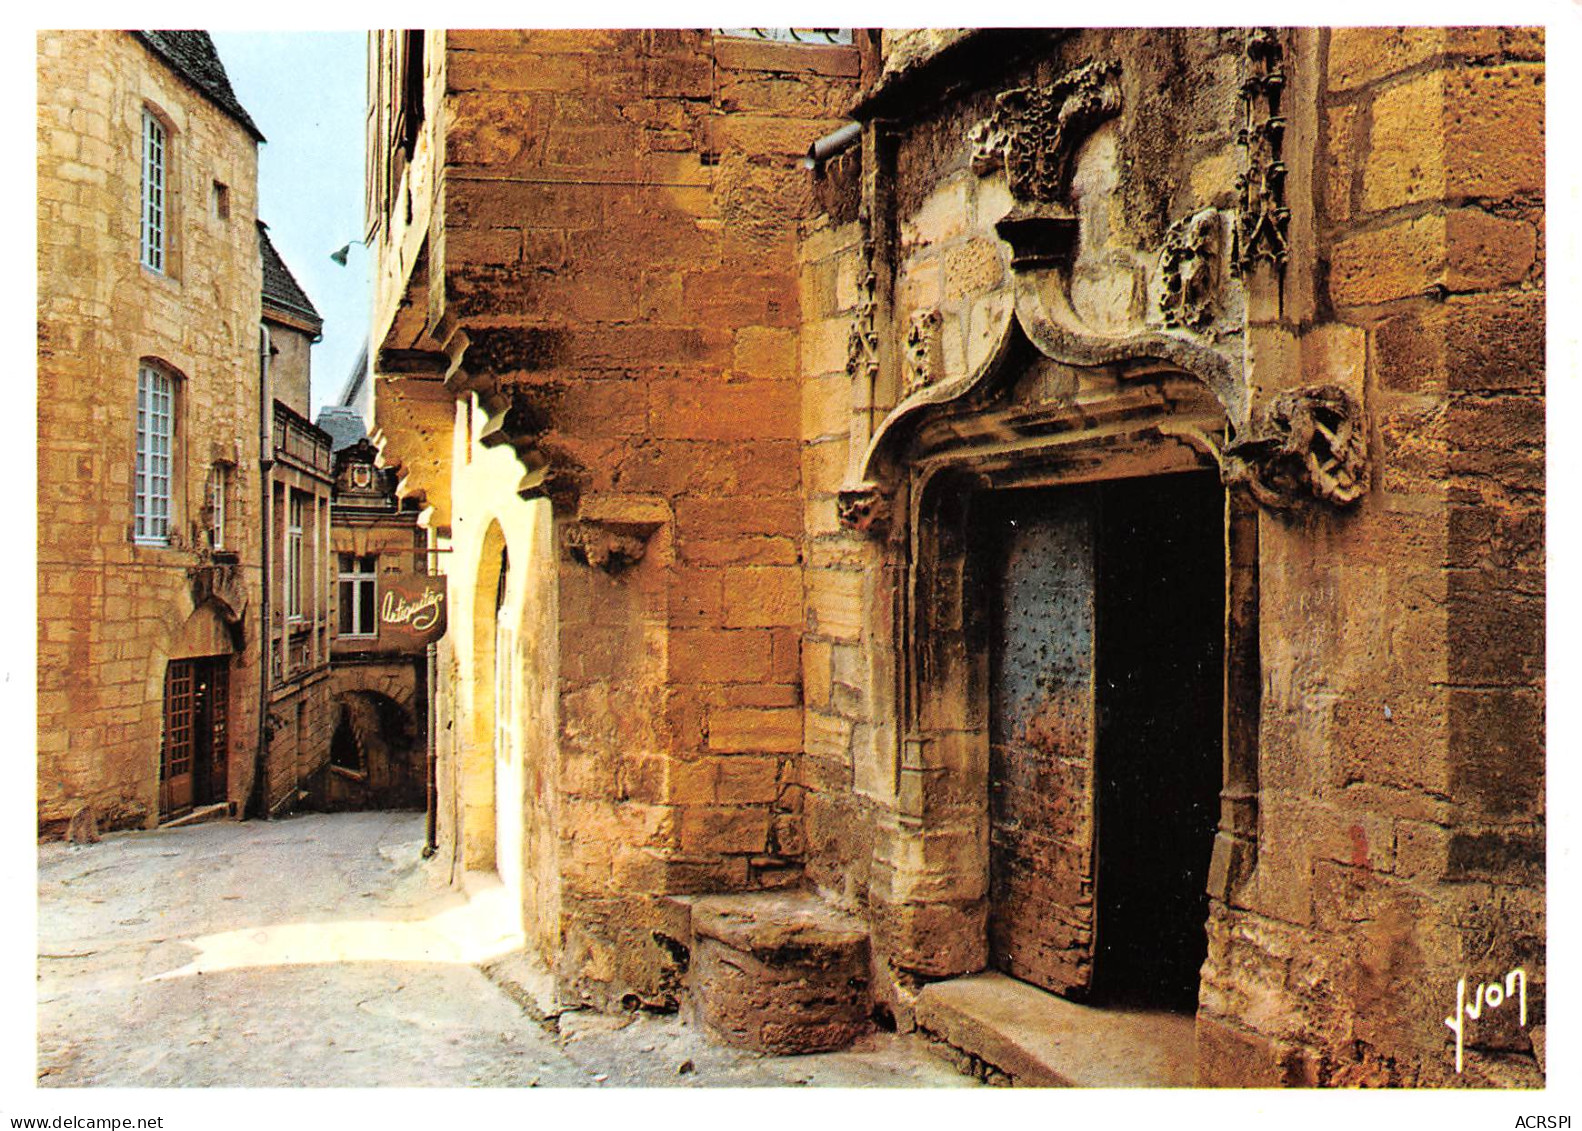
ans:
x=1311 y=446
x=516 y=421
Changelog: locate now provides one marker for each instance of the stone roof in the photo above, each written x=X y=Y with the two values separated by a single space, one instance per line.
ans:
x=191 y=55
x=280 y=286
x=345 y=426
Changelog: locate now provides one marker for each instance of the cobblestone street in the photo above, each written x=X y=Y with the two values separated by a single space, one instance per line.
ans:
x=322 y=951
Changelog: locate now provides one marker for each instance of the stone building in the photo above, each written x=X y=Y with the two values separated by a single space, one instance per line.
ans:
x=148 y=430
x=297 y=602
x=379 y=674
x=1080 y=542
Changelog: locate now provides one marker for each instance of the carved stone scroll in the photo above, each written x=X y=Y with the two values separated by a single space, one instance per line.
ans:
x=1263 y=216
x=1312 y=445
x=1189 y=264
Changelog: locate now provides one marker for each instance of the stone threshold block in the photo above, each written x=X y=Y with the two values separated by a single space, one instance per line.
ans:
x=1012 y=1033
x=198 y=816
x=780 y=972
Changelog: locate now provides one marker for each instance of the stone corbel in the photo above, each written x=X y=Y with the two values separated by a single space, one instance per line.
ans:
x=514 y=421
x=1311 y=446
x=864 y=508
x=612 y=533
x=221 y=583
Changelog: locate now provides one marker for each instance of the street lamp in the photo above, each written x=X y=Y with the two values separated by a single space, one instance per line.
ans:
x=340 y=255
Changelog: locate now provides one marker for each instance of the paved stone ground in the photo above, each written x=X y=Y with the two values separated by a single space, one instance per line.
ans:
x=323 y=951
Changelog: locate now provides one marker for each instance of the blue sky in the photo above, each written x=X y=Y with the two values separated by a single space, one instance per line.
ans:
x=306 y=92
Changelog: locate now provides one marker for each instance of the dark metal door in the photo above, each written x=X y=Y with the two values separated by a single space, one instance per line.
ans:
x=1041 y=764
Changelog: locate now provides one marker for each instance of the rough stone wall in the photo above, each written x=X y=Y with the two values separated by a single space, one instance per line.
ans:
x=617 y=246
x=302 y=720
x=838 y=655
x=112 y=613
x=291 y=369
x=1402 y=802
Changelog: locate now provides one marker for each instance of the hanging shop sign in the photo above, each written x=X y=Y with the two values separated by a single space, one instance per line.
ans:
x=412 y=609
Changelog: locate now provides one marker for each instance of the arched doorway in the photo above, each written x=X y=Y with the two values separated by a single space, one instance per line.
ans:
x=492 y=778
x=376 y=758
x=478 y=786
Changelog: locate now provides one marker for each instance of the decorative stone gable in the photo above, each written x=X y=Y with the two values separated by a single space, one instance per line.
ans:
x=357 y=478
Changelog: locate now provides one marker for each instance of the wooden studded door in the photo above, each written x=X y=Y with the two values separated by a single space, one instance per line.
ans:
x=1041 y=573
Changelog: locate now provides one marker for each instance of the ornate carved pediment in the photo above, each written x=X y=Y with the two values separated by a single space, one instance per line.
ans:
x=358 y=479
x=1311 y=446
x=1034 y=134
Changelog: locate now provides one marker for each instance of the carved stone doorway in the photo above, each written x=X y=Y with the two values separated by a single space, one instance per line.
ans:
x=1106 y=603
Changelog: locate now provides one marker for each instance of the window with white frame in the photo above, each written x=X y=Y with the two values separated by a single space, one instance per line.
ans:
x=358 y=593
x=294 y=519
x=156 y=428
x=154 y=154
x=219 y=485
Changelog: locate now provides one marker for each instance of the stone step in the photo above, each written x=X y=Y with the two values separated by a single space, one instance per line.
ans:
x=780 y=971
x=199 y=815
x=1035 y=1039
